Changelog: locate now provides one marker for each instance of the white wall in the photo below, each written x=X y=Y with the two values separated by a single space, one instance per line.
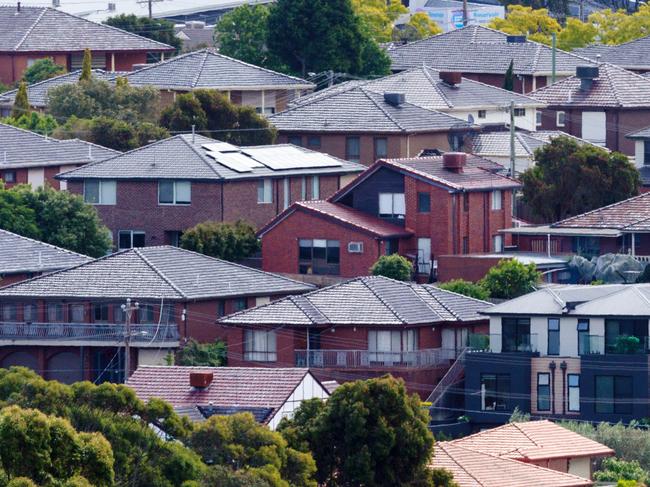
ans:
x=580 y=467
x=36 y=177
x=639 y=153
x=309 y=388
x=152 y=356
x=496 y=116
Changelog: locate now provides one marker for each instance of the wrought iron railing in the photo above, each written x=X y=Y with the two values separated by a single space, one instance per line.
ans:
x=431 y=357
x=81 y=332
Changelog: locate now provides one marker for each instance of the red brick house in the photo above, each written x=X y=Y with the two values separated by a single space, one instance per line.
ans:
x=150 y=195
x=361 y=328
x=633 y=55
x=32 y=33
x=420 y=208
x=69 y=326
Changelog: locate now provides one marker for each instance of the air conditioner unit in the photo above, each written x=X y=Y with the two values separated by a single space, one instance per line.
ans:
x=355 y=247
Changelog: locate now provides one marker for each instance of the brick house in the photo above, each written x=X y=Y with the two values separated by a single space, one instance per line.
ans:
x=420 y=208
x=361 y=125
x=68 y=325
x=633 y=55
x=361 y=328
x=32 y=33
x=27 y=157
x=150 y=195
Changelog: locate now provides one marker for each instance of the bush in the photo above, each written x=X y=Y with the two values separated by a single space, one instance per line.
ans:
x=614 y=469
x=394 y=266
x=203 y=354
x=41 y=70
x=228 y=241
x=510 y=279
x=466 y=288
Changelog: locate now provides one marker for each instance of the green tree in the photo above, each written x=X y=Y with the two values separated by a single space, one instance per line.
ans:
x=535 y=23
x=33 y=121
x=114 y=134
x=645 y=275
x=160 y=30
x=568 y=179
x=394 y=266
x=228 y=241
x=15 y=215
x=510 y=279
x=186 y=112
x=509 y=78
x=21 y=103
x=203 y=354
x=576 y=34
x=86 y=66
x=21 y=482
x=466 y=288
x=41 y=70
x=614 y=469
x=423 y=25
x=252 y=129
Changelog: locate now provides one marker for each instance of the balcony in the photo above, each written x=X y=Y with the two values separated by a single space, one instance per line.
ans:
x=365 y=359
x=502 y=343
x=622 y=344
x=77 y=334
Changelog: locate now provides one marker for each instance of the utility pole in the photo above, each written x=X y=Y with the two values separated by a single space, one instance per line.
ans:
x=465 y=14
x=553 y=52
x=512 y=153
x=128 y=309
x=150 y=12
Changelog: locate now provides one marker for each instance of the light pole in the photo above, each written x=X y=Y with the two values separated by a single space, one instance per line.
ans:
x=128 y=308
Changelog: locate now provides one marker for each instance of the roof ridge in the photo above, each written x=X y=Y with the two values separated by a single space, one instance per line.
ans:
x=447 y=308
x=434 y=84
x=521 y=430
x=365 y=92
x=23 y=237
x=201 y=67
x=462 y=467
x=520 y=138
x=138 y=252
x=365 y=282
x=639 y=196
x=294 y=300
x=31 y=28
x=203 y=157
x=538 y=53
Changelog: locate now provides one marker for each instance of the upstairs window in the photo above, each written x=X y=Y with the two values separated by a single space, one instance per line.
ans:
x=9 y=312
x=264 y=191
x=319 y=256
x=313 y=142
x=353 y=149
x=99 y=192
x=9 y=176
x=560 y=119
x=128 y=239
x=424 y=202
x=295 y=140
x=482 y=114
x=520 y=112
x=392 y=205
x=381 y=148
x=495 y=390
x=260 y=346
x=315 y=187
x=553 y=336
x=497 y=199
x=174 y=192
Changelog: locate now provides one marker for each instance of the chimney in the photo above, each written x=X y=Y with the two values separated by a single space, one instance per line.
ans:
x=201 y=380
x=18 y=7
x=515 y=39
x=454 y=161
x=587 y=75
x=395 y=99
x=451 y=78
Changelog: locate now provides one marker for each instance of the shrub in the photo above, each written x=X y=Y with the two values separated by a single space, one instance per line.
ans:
x=466 y=288
x=394 y=266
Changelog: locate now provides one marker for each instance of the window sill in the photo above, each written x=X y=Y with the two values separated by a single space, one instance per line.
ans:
x=174 y=204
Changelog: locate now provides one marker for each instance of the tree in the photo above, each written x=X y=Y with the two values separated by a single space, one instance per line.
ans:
x=613 y=469
x=466 y=288
x=34 y=122
x=423 y=25
x=569 y=179
x=15 y=215
x=228 y=241
x=576 y=34
x=394 y=266
x=160 y=30
x=41 y=70
x=509 y=78
x=510 y=279
x=86 y=66
x=645 y=275
x=203 y=354
x=536 y=24
x=368 y=433
x=21 y=103
x=378 y=16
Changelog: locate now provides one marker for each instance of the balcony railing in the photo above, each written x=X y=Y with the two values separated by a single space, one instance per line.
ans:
x=88 y=332
x=500 y=343
x=623 y=344
x=358 y=359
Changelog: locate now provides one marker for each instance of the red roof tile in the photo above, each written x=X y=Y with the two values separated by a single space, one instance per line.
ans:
x=630 y=214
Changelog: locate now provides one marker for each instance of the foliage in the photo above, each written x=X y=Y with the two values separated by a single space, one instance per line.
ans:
x=423 y=25
x=33 y=121
x=160 y=30
x=569 y=179
x=442 y=478
x=56 y=217
x=4 y=87
x=466 y=288
x=228 y=241
x=368 y=433
x=518 y=416
x=576 y=34
x=221 y=476
x=510 y=279
x=86 y=66
x=41 y=70
x=537 y=24
x=203 y=354
x=394 y=266
x=628 y=483
x=378 y=16
x=645 y=275
x=509 y=77
x=21 y=103
x=613 y=469
x=627 y=344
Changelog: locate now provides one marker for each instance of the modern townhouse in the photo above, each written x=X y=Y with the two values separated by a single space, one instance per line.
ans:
x=69 y=325
x=151 y=195
x=641 y=139
x=633 y=55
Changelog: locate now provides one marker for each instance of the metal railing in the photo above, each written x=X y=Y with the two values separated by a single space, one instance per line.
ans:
x=431 y=357
x=621 y=344
x=502 y=343
x=81 y=332
x=454 y=375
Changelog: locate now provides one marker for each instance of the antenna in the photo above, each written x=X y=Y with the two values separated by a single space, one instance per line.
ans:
x=90 y=151
x=193 y=133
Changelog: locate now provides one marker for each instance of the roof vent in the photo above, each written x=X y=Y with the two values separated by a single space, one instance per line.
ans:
x=454 y=161
x=138 y=66
x=201 y=380
x=516 y=39
x=195 y=24
x=587 y=75
x=18 y=7
x=451 y=78
x=395 y=99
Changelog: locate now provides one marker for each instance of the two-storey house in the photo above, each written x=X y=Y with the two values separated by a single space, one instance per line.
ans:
x=633 y=55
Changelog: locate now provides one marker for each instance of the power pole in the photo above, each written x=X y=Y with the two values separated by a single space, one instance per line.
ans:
x=128 y=309
x=553 y=53
x=150 y=12
x=465 y=14
x=512 y=153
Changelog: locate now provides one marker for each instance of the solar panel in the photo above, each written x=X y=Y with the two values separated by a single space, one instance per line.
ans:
x=235 y=161
x=288 y=157
x=220 y=147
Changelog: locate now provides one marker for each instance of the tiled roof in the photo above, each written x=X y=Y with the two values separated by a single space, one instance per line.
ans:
x=231 y=387
x=627 y=215
x=532 y=441
x=22 y=148
x=156 y=273
x=630 y=55
x=477 y=49
x=371 y=300
x=640 y=134
x=50 y=30
x=184 y=157
x=614 y=87
x=361 y=110
x=208 y=69
x=20 y=254
x=476 y=469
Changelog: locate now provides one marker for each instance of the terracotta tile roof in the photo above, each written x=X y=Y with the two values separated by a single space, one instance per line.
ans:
x=627 y=215
x=477 y=469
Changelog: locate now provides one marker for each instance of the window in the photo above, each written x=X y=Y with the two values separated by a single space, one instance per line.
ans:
x=313 y=142
x=613 y=394
x=573 y=383
x=465 y=201
x=145 y=314
x=9 y=312
x=118 y=314
x=497 y=243
x=318 y=256
x=515 y=335
x=497 y=197
x=553 y=336
x=221 y=308
x=264 y=191
x=303 y=188
x=9 y=176
x=173 y=237
x=583 y=337
x=54 y=312
x=381 y=148
x=646 y=153
x=465 y=245
x=295 y=140
x=128 y=239
x=520 y=112
x=174 y=192
x=424 y=202
x=286 y=193
x=594 y=127
x=240 y=304
x=353 y=149
x=482 y=114
x=100 y=313
x=315 y=187
x=388 y=345
x=168 y=314
x=560 y=119
x=543 y=391
x=392 y=205
x=99 y=192
x=617 y=328
x=30 y=313
x=495 y=389
x=77 y=313
x=538 y=119
x=260 y=346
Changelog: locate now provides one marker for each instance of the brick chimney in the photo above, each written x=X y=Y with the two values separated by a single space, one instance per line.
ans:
x=201 y=380
x=451 y=78
x=454 y=161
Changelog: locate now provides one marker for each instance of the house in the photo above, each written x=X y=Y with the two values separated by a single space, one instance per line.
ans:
x=362 y=125
x=27 y=157
x=419 y=207
x=32 y=33
x=448 y=92
x=633 y=55
x=195 y=34
x=601 y=104
x=23 y=258
x=68 y=325
x=361 y=328
x=269 y=394
x=641 y=139
x=448 y=13
x=151 y=195
x=484 y=55
x=245 y=84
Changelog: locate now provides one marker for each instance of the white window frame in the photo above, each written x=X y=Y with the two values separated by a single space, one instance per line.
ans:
x=557 y=119
x=538 y=118
x=481 y=114
x=574 y=398
x=286 y=193
x=520 y=112
x=260 y=346
x=264 y=191
x=496 y=200
x=175 y=192
x=315 y=187
x=497 y=243
x=106 y=192
x=397 y=205
x=131 y=234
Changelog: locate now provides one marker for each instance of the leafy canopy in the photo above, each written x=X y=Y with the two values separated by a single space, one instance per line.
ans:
x=21 y=103
x=394 y=266
x=203 y=354
x=36 y=122
x=466 y=288
x=41 y=70
x=510 y=279
x=228 y=241
x=160 y=30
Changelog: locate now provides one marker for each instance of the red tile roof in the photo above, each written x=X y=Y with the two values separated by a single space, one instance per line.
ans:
x=626 y=215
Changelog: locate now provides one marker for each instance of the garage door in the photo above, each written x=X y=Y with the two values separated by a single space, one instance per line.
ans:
x=594 y=127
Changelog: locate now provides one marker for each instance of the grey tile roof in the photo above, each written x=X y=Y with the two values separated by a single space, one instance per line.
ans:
x=50 y=30
x=371 y=300
x=22 y=148
x=640 y=134
x=614 y=87
x=208 y=69
x=630 y=55
x=477 y=49
x=156 y=273
x=361 y=110
x=20 y=254
x=183 y=157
